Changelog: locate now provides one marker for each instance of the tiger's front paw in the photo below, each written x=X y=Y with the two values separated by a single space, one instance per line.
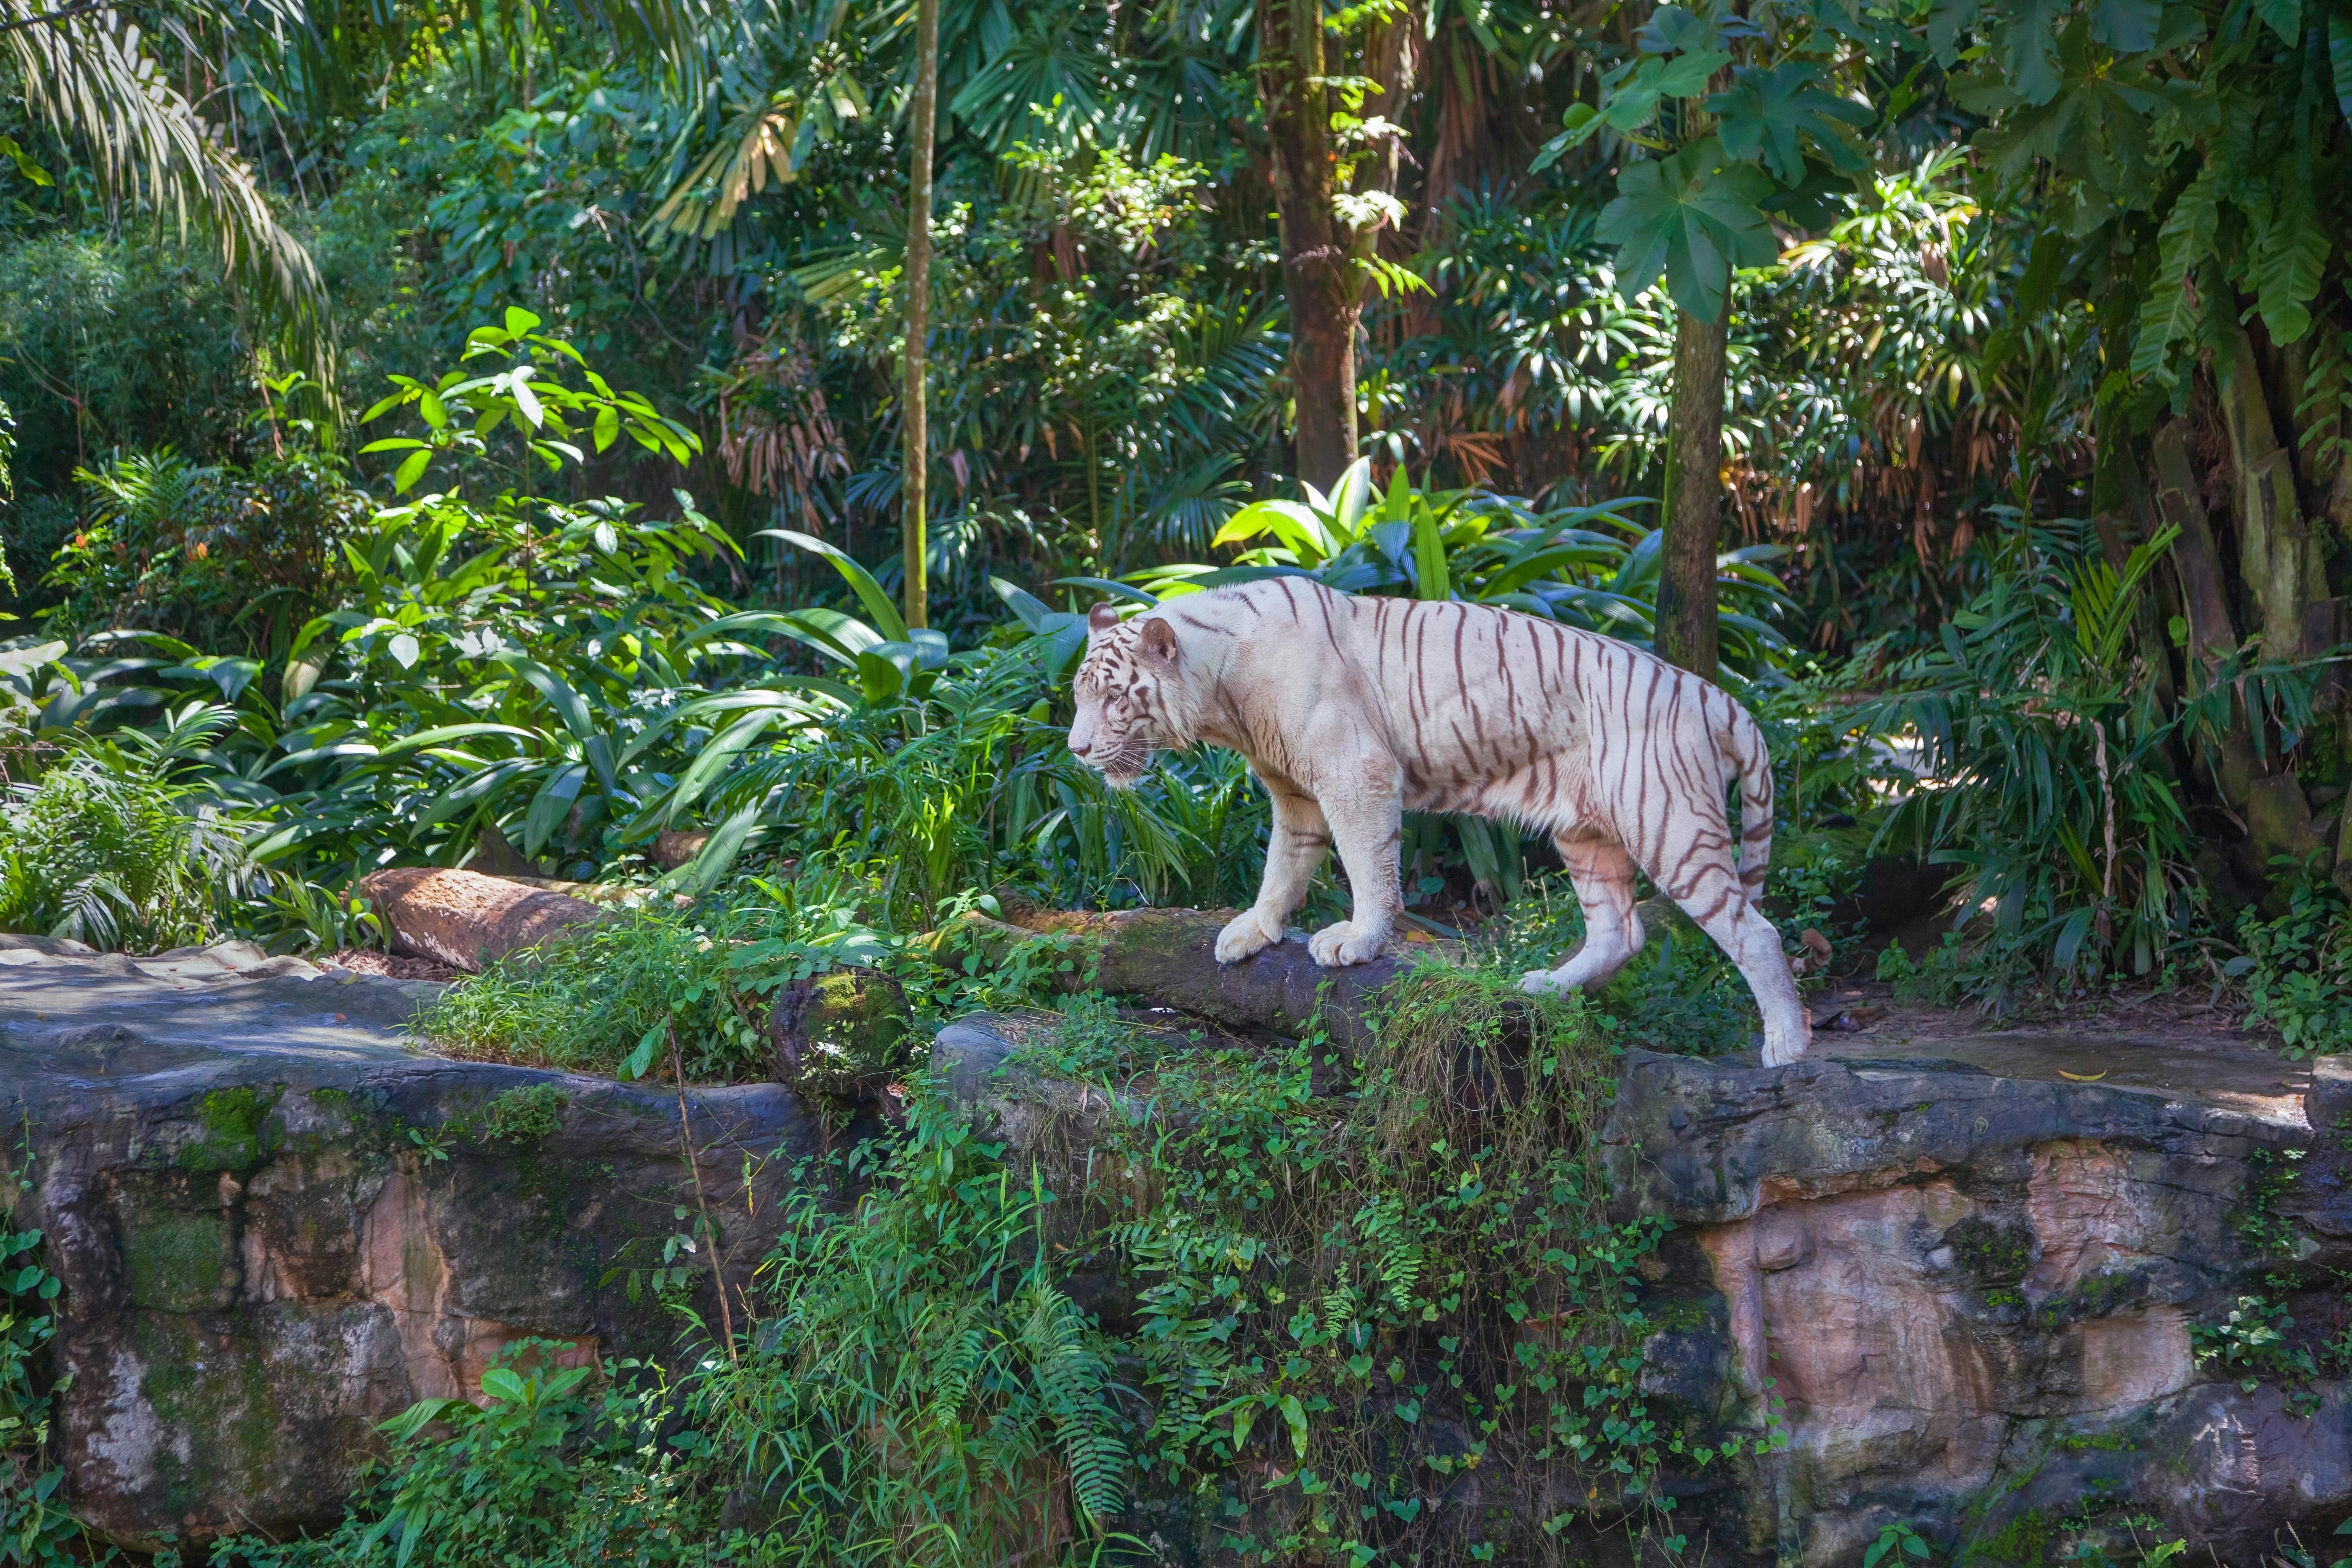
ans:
x=1243 y=935
x=1341 y=944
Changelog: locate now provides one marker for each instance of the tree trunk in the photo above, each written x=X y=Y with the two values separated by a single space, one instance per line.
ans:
x=1318 y=273
x=915 y=462
x=2278 y=555
x=1692 y=503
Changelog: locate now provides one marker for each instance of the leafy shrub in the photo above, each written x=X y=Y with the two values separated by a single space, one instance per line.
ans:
x=36 y=1526
x=2297 y=969
x=548 y=1471
x=111 y=848
x=219 y=557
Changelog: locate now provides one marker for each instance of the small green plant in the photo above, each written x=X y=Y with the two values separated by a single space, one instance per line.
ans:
x=2251 y=1341
x=523 y=1114
x=2296 y=970
x=549 y=1469
x=1900 y=1543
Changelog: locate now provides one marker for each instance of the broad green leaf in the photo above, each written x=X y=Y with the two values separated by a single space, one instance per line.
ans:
x=410 y=471
x=1946 y=20
x=1769 y=116
x=726 y=842
x=861 y=582
x=1428 y=559
x=1293 y=1415
x=2170 y=312
x=2284 y=17
x=1693 y=216
x=567 y=703
x=717 y=754
x=2028 y=48
x=25 y=163
x=2290 y=260
x=2126 y=26
x=520 y=322
x=443 y=734
x=641 y=1060
x=550 y=805
x=1296 y=525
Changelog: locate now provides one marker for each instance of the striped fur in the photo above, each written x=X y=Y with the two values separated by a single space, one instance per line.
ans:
x=1352 y=711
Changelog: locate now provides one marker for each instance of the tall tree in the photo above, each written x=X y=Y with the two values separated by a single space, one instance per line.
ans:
x=1742 y=120
x=915 y=464
x=1333 y=168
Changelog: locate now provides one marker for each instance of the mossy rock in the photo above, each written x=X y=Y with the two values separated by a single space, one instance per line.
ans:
x=841 y=1034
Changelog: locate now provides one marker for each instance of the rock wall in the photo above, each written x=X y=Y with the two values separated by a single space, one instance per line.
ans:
x=277 y=1225
x=1960 y=1299
x=1967 y=1301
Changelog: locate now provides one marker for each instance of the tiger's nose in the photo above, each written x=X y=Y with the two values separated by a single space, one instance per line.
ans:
x=1081 y=746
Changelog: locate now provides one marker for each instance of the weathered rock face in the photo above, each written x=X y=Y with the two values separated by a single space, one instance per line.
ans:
x=1953 y=1291
x=1948 y=1296
x=277 y=1225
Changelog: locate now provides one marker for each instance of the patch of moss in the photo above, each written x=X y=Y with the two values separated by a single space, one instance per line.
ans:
x=174 y=1258
x=523 y=1114
x=2025 y=1541
x=1991 y=1254
x=219 y=1395
x=234 y=1136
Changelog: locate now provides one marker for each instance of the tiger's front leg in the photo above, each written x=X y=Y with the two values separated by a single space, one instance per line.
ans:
x=1293 y=849
x=1365 y=812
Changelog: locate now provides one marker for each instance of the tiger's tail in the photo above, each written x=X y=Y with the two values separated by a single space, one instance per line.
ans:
x=1745 y=747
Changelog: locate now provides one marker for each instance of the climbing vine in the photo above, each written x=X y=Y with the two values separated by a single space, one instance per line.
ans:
x=35 y=1526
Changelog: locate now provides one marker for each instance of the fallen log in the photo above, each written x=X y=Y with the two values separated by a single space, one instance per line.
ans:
x=466 y=919
x=1168 y=957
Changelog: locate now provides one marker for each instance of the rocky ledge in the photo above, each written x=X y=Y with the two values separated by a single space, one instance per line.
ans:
x=1958 y=1289
x=278 y=1223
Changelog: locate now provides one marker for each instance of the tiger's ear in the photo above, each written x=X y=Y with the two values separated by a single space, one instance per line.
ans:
x=1102 y=618
x=1160 y=638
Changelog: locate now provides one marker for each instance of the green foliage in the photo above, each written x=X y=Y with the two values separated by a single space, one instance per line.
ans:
x=1329 y=1262
x=2038 y=725
x=550 y=1468
x=1772 y=141
x=2293 y=968
x=110 y=846
x=213 y=556
x=610 y=999
x=36 y=1527
x=1470 y=544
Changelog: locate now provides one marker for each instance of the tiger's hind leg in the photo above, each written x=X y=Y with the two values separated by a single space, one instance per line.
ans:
x=1713 y=897
x=1602 y=874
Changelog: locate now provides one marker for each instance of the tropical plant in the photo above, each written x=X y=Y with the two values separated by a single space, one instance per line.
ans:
x=1590 y=567
x=90 y=76
x=1776 y=136
x=116 y=846
x=2039 y=723
x=2182 y=165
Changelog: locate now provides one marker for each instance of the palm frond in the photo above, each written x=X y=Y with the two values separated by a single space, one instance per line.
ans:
x=93 y=81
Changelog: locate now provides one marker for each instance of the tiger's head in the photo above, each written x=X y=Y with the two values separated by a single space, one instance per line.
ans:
x=1130 y=695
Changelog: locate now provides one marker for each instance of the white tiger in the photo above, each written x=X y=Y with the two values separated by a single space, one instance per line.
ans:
x=1352 y=711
